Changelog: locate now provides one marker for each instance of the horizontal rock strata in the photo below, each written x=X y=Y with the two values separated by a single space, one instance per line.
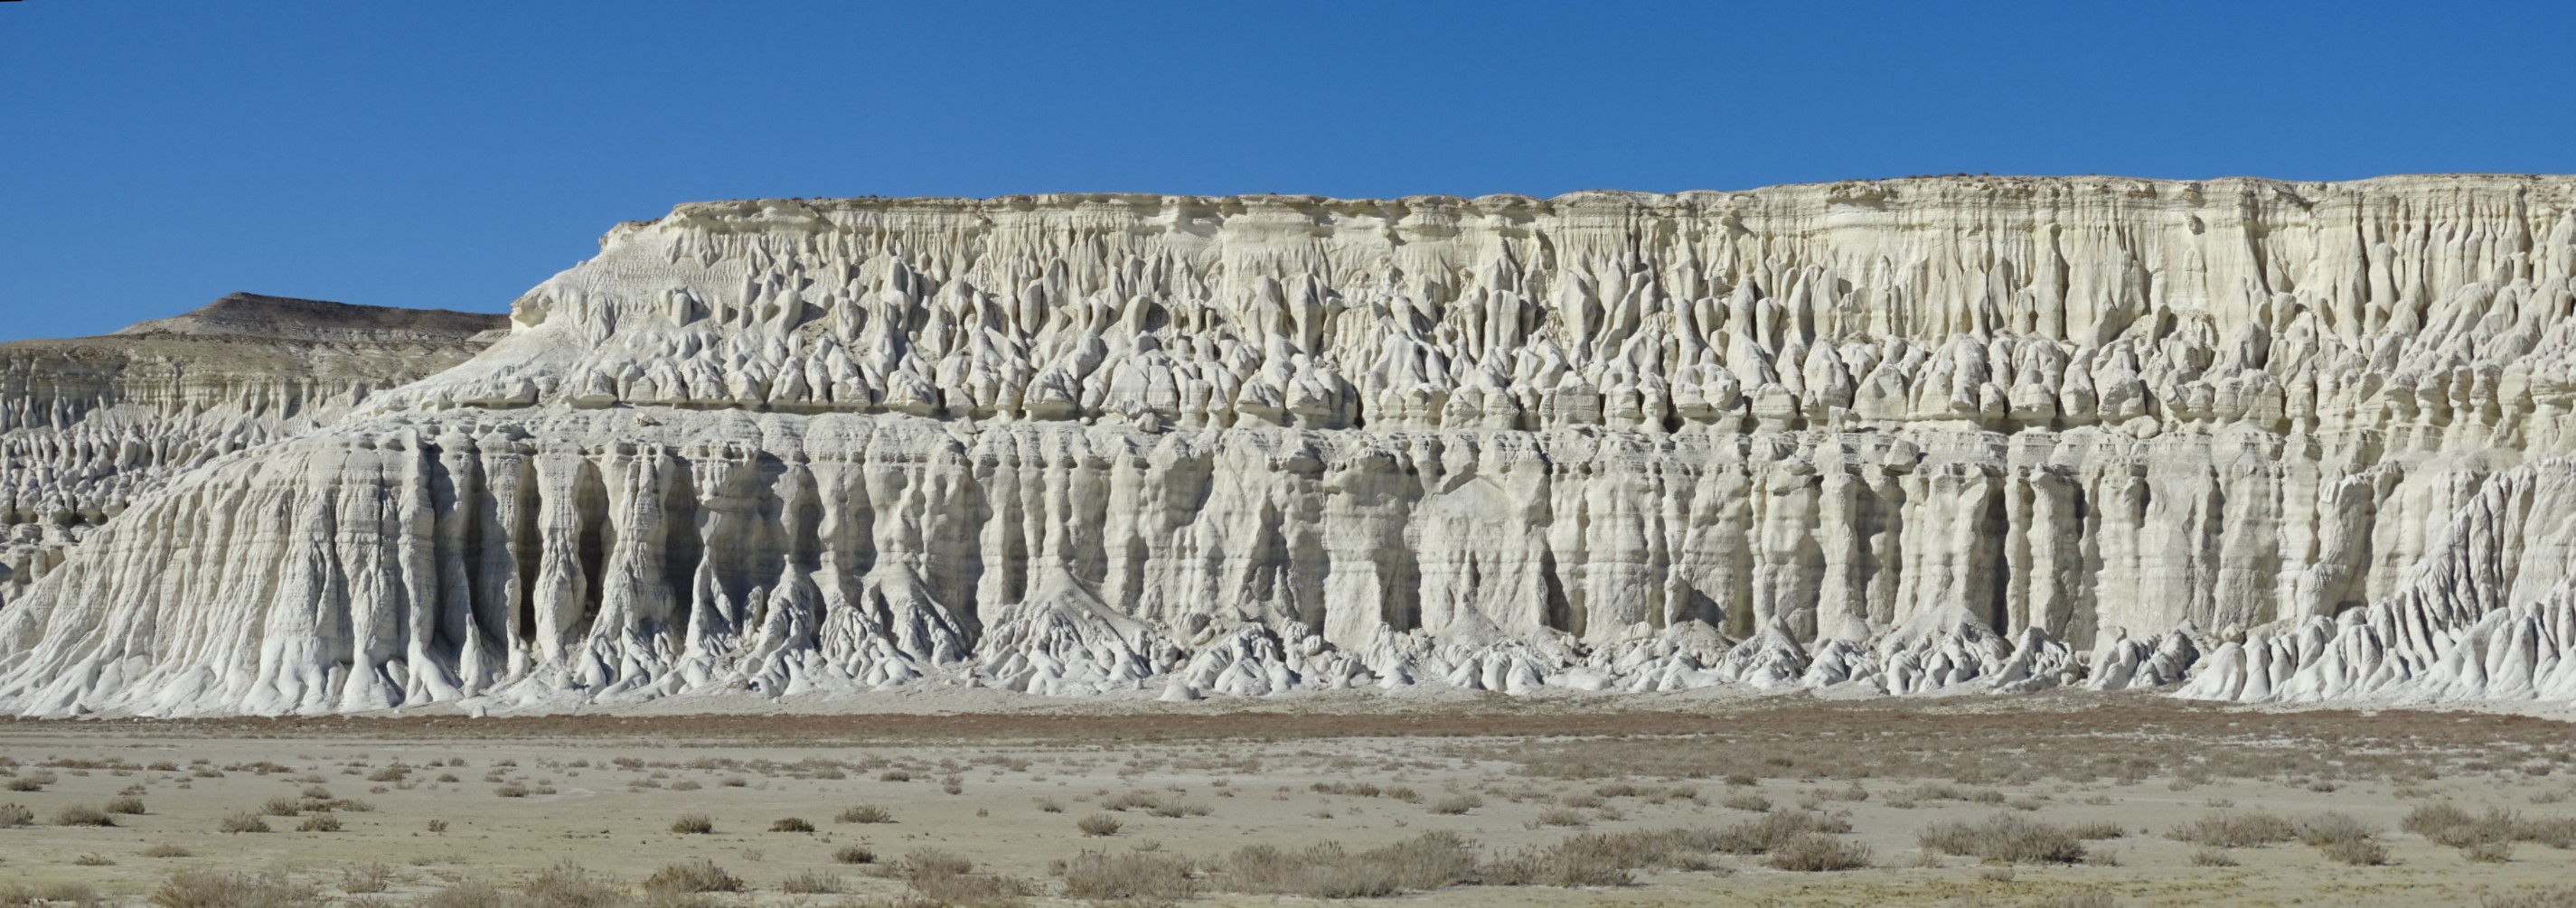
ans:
x=89 y=423
x=2263 y=440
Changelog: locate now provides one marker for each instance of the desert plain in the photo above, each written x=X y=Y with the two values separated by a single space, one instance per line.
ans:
x=969 y=797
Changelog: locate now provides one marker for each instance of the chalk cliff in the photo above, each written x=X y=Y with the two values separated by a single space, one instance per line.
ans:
x=87 y=424
x=2264 y=440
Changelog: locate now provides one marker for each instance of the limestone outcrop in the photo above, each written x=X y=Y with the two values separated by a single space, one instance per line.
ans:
x=2262 y=440
x=88 y=424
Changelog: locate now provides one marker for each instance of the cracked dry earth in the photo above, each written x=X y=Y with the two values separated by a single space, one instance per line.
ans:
x=424 y=804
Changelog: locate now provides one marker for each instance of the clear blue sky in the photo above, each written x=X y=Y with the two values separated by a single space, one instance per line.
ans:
x=155 y=155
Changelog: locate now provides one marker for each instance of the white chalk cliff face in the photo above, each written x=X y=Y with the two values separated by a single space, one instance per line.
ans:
x=2261 y=440
x=87 y=424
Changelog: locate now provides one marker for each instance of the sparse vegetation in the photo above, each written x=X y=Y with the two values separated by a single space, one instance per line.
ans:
x=2236 y=830
x=865 y=813
x=1098 y=824
x=242 y=822
x=811 y=882
x=1817 y=852
x=320 y=822
x=698 y=875
x=1134 y=877
x=693 y=824
x=2006 y=837
x=203 y=888
x=790 y=824
x=82 y=815
x=1328 y=870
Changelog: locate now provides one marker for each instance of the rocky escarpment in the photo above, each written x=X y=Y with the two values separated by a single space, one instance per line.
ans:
x=2268 y=440
x=89 y=423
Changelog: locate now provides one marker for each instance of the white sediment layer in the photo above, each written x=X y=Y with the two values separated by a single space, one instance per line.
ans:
x=2264 y=440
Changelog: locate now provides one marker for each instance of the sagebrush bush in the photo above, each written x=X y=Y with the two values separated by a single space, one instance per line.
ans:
x=790 y=824
x=1456 y=804
x=2344 y=838
x=697 y=875
x=693 y=824
x=127 y=804
x=15 y=815
x=2236 y=830
x=865 y=813
x=1816 y=852
x=1098 y=824
x=1327 y=870
x=2005 y=837
x=242 y=822
x=202 y=888
x=1604 y=859
x=1136 y=876
x=82 y=815
x=811 y=882
x=855 y=854
x=320 y=822
x=1773 y=830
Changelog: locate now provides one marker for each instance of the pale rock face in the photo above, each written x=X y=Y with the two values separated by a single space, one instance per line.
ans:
x=88 y=424
x=2265 y=440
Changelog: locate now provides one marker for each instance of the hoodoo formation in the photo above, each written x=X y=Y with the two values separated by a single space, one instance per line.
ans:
x=2250 y=440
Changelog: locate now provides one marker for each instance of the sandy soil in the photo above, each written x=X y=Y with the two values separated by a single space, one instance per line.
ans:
x=517 y=795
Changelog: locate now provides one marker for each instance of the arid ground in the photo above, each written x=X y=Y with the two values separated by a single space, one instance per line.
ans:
x=2062 y=799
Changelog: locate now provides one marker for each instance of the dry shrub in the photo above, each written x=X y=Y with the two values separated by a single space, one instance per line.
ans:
x=1747 y=801
x=1773 y=830
x=282 y=807
x=2007 y=838
x=854 y=854
x=865 y=813
x=693 y=824
x=82 y=815
x=2212 y=856
x=319 y=823
x=699 y=875
x=2078 y=900
x=201 y=888
x=53 y=894
x=791 y=824
x=1145 y=877
x=1561 y=816
x=811 y=882
x=165 y=850
x=242 y=822
x=1604 y=859
x=1161 y=806
x=2344 y=838
x=1817 y=852
x=1456 y=804
x=126 y=805
x=1327 y=870
x=365 y=878
x=2452 y=827
x=568 y=885
x=2097 y=830
x=2488 y=852
x=15 y=815
x=1098 y=824
x=2236 y=830
x=945 y=878
x=2538 y=898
